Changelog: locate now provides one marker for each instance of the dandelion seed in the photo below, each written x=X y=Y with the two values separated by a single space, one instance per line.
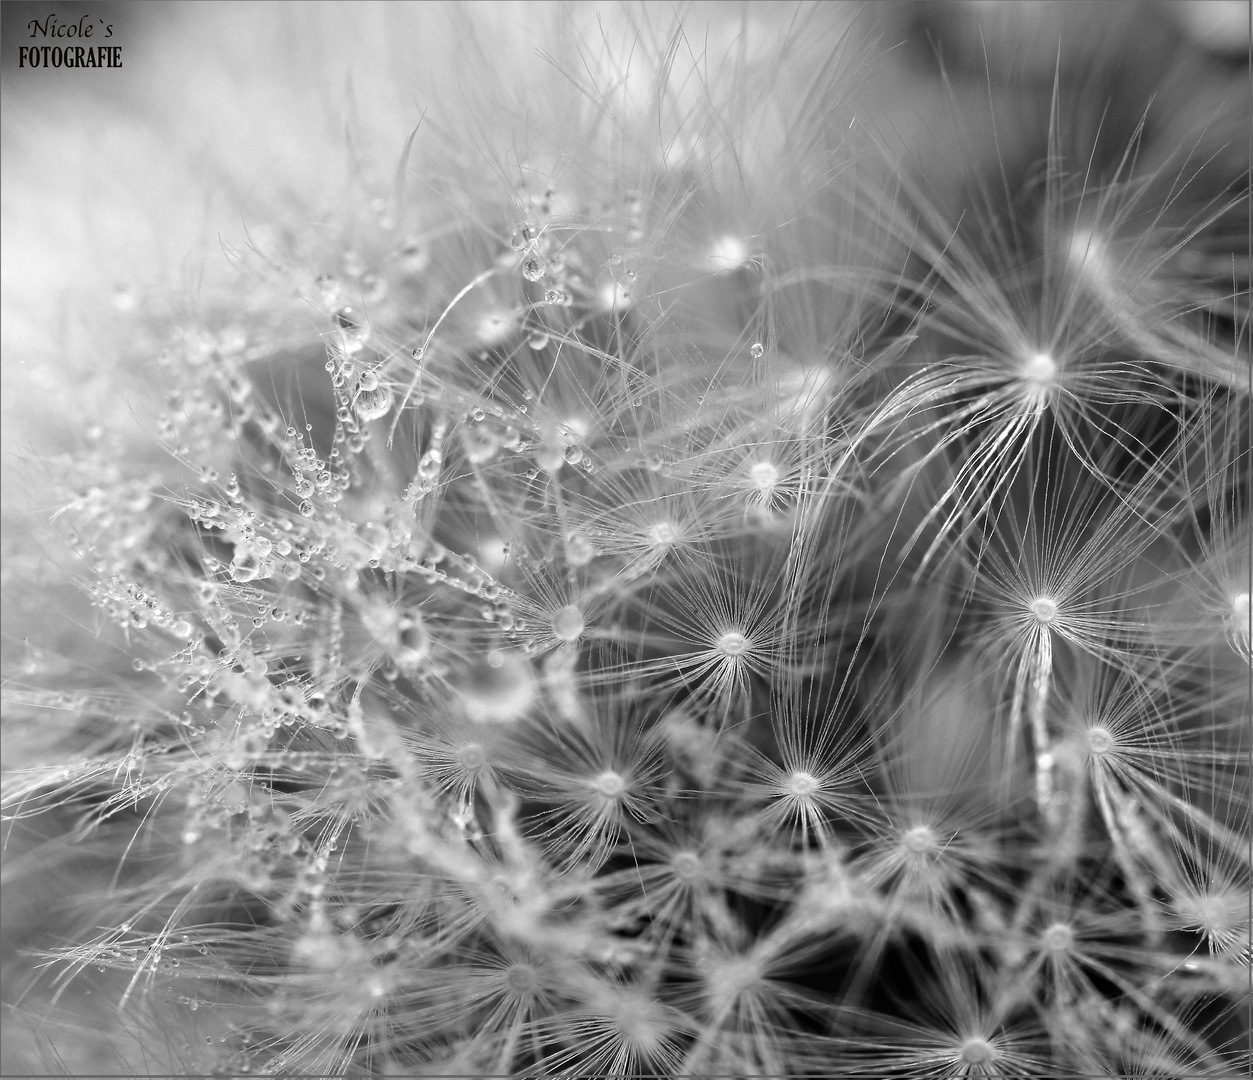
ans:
x=1044 y=608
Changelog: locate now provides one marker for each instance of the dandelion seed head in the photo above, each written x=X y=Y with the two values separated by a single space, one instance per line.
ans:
x=663 y=534
x=521 y=978
x=1043 y=609
x=977 y=1051
x=1039 y=369
x=472 y=757
x=920 y=840
x=732 y=644
x=1240 y=610
x=568 y=623
x=1218 y=913
x=764 y=474
x=1100 y=740
x=1058 y=938
x=609 y=785
x=801 y=784
x=686 y=865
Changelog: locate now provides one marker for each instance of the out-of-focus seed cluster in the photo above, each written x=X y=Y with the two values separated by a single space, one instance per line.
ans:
x=707 y=600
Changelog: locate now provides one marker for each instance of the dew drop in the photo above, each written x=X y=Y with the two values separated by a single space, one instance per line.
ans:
x=372 y=404
x=538 y=340
x=757 y=350
x=568 y=623
x=353 y=333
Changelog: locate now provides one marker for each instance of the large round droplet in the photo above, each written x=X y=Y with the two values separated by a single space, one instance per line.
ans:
x=372 y=404
x=568 y=623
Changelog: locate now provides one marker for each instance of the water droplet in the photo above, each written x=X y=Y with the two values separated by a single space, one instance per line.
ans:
x=533 y=268
x=538 y=340
x=372 y=404
x=247 y=563
x=354 y=333
x=757 y=350
x=568 y=623
x=573 y=455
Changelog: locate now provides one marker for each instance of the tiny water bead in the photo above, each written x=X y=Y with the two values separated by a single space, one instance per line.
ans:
x=757 y=350
x=568 y=623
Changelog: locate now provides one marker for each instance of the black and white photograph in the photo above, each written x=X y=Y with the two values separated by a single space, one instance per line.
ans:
x=626 y=539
